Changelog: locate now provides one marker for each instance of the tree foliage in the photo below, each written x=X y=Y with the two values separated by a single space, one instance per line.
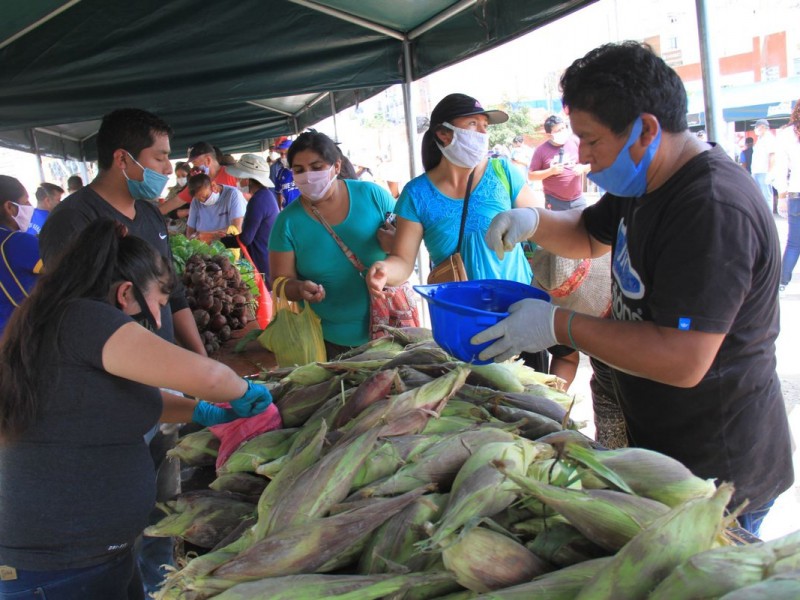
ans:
x=519 y=123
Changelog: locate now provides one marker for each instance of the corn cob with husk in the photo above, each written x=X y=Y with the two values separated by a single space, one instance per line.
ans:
x=480 y=490
x=375 y=387
x=497 y=376
x=643 y=472
x=526 y=401
x=198 y=449
x=531 y=525
x=389 y=455
x=433 y=584
x=531 y=425
x=301 y=402
x=484 y=560
x=393 y=545
x=310 y=374
x=408 y=335
x=438 y=464
x=306 y=547
x=530 y=376
x=785 y=586
x=239 y=483
x=380 y=344
x=201 y=517
x=260 y=449
x=445 y=424
x=411 y=378
x=417 y=356
x=563 y=584
x=431 y=397
x=562 y=545
x=662 y=546
x=468 y=410
x=716 y=572
x=607 y=518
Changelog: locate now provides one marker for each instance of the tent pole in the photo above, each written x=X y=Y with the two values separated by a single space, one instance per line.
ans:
x=38 y=155
x=333 y=114
x=709 y=63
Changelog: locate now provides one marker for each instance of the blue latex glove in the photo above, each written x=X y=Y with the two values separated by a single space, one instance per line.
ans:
x=530 y=327
x=208 y=414
x=253 y=402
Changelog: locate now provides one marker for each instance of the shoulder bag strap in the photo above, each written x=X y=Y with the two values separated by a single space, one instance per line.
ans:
x=464 y=211
x=342 y=246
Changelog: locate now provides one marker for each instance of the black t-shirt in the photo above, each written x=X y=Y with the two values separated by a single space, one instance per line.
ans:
x=79 y=485
x=77 y=211
x=702 y=253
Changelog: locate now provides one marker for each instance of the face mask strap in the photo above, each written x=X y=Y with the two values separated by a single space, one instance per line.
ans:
x=150 y=321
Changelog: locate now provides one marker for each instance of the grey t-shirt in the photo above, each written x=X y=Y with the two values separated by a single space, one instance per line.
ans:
x=78 y=485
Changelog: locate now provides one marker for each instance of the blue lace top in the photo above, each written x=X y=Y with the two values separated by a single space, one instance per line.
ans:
x=440 y=217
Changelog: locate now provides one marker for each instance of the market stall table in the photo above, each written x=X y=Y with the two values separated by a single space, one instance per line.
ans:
x=249 y=362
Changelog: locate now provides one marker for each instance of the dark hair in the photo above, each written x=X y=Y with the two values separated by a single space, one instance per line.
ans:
x=431 y=154
x=47 y=189
x=197 y=182
x=616 y=83
x=11 y=190
x=749 y=141
x=75 y=182
x=551 y=122
x=100 y=257
x=131 y=129
x=183 y=166
x=347 y=171
x=316 y=142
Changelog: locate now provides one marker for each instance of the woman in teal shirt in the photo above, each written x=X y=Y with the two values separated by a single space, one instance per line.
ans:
x=302 y=250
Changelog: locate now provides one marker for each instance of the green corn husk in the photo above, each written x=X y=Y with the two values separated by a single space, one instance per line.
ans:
x=719 y=571
x=562 y=545
x=389 y=455
x=609 y=519
x=376 y=387
x=661 y=547
x=239 y=483
x=412 y=378
x=530 y=376
x=497 y=376
x=532 y=426
x=439 y=463
x=537 y=404
x=434 y=583
x=563 y=584
x=466 y=410
x=431 y=397
x=785 y=586
x=533 y=525
x=382 y=344
x=198 y=449
x=262 y=448
x=301 y=402
x=643 y=472
x=320 y=486
x=306 y=375
x=419 y=356
x=203 y=518
x=556 y=472
x=306 y=547
x=444 y=425
x=480 y=490
x=484 y=560
x=408 y=335
x=555 y=395
x=393 y=545
x=301 y=587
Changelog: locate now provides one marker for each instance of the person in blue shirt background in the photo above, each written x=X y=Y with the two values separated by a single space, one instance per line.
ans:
x=48 y=195
x=20 y=264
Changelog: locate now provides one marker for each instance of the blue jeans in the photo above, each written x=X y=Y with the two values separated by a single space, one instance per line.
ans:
x=766 y=189
x=116 y=579
x=554 y=203
x=752 y=520
x=792 y=251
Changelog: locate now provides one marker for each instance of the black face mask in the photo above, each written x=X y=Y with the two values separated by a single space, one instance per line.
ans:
x=144 y=317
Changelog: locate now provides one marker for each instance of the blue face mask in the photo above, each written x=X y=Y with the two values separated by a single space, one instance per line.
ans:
x=150 y=187
x=625 y=178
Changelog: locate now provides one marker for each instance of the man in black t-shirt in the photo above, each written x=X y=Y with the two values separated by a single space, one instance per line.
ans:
x=133 y=158
x=695 y=270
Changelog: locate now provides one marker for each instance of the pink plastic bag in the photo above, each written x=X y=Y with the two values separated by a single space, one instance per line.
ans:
x=234 y=434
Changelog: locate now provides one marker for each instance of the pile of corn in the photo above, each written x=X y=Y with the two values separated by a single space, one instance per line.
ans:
x=404 y=474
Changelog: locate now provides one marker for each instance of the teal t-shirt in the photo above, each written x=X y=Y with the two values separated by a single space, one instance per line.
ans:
x=345 y=310
x=440 y=217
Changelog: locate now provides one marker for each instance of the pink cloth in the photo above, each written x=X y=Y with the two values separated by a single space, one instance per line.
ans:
x=234 y=434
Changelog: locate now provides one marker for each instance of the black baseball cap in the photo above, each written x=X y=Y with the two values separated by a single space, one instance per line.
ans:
x=201 y=148
x=461 y=105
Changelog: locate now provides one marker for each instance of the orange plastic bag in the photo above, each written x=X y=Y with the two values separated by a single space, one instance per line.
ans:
x=264 y=309
x=295 y=334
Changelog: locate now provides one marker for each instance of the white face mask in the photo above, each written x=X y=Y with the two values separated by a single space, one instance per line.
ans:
x=212 y=199
x=23 y=217
x=468 y=147
x=560 y=137
x=314 y=185
x=181 y=181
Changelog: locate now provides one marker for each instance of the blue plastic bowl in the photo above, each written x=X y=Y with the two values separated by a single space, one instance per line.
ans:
x=461 y=309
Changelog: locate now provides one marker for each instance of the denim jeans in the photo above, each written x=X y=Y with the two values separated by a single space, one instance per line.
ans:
x=766 y=189
x=792 y=251
x=116 y=579
x=554 y=203
x=751 y=521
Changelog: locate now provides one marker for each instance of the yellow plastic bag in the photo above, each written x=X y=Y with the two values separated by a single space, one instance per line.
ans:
x=295 y=334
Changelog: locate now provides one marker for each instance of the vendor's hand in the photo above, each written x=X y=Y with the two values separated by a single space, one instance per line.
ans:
x=311 y=292
x=253 y=402
x=556 y=169
x=529 y=327
x=510 y=227
x=376 y=278
x=385 y=236
x=207 y=414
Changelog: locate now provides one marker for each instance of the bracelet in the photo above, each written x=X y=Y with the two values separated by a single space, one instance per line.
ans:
x=569 y=332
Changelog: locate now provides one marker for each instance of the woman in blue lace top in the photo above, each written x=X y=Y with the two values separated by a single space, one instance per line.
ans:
x=431 y=205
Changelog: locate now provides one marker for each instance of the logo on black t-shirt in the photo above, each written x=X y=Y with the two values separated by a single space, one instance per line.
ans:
x=627 y=286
